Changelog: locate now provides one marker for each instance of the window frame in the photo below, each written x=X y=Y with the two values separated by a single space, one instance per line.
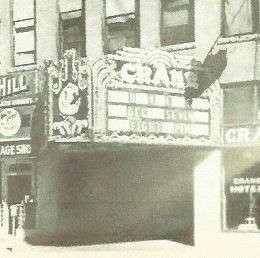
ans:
x=252 y=84
x=191 y=23
x=137 y=29
x=61 y=30
x=14 y=53
x=255 y=20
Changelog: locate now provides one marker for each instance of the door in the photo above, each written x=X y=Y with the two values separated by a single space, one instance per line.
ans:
x=18 y=187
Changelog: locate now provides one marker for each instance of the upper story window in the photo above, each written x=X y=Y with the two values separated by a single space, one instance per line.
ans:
x=122 y=24
x=240 y=17
x=72 y=26
x=239 y=104
x=177 y=22
x=24 y=39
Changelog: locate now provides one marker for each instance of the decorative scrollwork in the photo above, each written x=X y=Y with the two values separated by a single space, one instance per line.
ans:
x=70 y=102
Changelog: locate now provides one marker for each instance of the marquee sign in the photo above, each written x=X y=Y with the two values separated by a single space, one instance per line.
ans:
x=139 y=98
x=156 y=113
x=69 y=99
x=160 y=76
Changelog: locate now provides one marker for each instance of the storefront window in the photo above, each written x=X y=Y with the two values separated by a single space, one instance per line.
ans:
x=242 y=192
x=24 y=32
x=177 y=22
x=240 y=16
x=122 y=25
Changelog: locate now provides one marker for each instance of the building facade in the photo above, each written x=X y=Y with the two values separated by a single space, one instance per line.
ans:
x=131 y=121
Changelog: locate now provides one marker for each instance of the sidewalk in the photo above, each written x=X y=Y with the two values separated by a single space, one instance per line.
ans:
x=143 y=249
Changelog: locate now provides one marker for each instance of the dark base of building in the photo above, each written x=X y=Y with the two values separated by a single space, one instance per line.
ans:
x=115 y=196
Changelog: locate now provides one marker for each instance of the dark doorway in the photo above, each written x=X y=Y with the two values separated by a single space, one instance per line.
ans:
x=18 y=187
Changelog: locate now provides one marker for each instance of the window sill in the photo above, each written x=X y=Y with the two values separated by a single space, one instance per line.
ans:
x=178 y=47
x=239 y=38
x=23 y=68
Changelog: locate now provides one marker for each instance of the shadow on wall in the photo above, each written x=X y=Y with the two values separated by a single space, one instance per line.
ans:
x=121 y=196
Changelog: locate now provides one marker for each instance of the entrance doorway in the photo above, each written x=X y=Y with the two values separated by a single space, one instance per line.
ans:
x=18 y=187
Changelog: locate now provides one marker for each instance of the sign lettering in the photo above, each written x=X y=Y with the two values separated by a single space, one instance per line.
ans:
x=11 y=150
x=245 y=185
x=9 y=86
x=160 y=76
x=149 y=113
x=242 y=135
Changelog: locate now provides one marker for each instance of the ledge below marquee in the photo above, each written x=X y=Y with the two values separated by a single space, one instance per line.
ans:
x=152 y=139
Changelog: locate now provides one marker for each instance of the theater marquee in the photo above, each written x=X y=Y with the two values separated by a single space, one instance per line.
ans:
x=144 y=99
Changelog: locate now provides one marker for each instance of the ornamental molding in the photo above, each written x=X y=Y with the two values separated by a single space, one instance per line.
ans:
x=69 y=98
x=154 y=57
x=213 y=93
x=239 y=38
x=117 y=137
